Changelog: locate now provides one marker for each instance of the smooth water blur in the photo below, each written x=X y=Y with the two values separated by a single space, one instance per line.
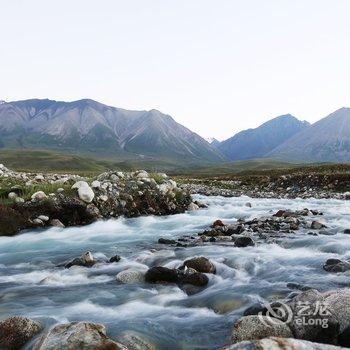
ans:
x=164 y=313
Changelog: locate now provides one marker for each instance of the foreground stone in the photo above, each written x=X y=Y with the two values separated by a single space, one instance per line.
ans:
x=135 y=341
x=77 y=336
x=17 y=331
x=258 y=327
x=201 y=264
x=275 y=343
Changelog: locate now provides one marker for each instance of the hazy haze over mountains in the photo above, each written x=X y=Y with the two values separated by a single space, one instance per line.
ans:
x=258 y=142
x=90 y=127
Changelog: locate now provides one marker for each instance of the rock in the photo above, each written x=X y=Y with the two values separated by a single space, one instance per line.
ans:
x=38 y=196
x=280 y=213
x=162 y=274
x=135 y=341
x=96 y=184
x=56 y=223
x=43 y=218
x=87 y=260
x=336 y=265
x=254 y=309
x=131 y=276
x=218 y=223
x=275 y=343
x=258 y=327
x=317 y=321
x=201 y=264
x=16 y=331
x=85 y=192
x=192 y=207
x=243 y=241
x=12 y=196
x=37 y=223
x=347 y=231
x=344 y=337
x=166 y=241
x=248 y=204
x=77 y=336
x=114 y=258
x=194 y=278
x=19 y=200
x=315 y=225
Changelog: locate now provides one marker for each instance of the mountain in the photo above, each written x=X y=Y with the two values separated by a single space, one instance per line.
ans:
x=258 y=142
x=92 y=128
x=328 y=140
x=213 y=141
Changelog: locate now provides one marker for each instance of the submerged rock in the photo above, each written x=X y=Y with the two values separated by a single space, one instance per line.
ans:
x=77 y=336
x=243 y=241
x=86 y=260
x=16 y=331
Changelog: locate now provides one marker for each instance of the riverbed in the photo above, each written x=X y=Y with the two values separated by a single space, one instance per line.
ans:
x=32 y=285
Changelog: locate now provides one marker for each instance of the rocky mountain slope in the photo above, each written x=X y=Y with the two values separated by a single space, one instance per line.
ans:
x=328 y=140
x=89 y=127
x=258 y=142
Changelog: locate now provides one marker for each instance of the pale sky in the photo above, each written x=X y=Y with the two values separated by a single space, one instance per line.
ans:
x=216 y=66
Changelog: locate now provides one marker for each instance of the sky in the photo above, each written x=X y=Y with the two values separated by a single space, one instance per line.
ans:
x=216 y=66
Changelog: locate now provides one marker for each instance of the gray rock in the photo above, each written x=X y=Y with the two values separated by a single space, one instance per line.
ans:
x=131 y=276
x=275 y=343
x=135 y=341
x=16 y=331
x=56 y=223
x=38 y=196
x=255 y=327
x=201 y=264
x=77 y=336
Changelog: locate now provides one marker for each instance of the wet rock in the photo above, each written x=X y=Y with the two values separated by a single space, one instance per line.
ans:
x=259 y=327
x=298 y=286
x=234 y=230
x=16 y=331
x=336 y=265
x=114 y=258
x=218 y=223
x=135 y=341
x=37 y=223
x=248 y=204
x=315 y=225
x=196 y=279
x=77 y=336
x=131 y=276
x=161 y=274
x=11 y=221
x=166 y=241
x=56 y=223
x=275 y=343
x=243 y=241
x=193 y=206
x=200 y=264
x=347 y=231
x=86 y=260
x=254 y=309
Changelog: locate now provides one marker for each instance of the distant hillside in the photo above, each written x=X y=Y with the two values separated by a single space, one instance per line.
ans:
x=257 y=143
x=328 y=140
x=87 y=127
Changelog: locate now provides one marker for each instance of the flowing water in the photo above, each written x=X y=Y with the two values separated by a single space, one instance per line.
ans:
x=164 y=313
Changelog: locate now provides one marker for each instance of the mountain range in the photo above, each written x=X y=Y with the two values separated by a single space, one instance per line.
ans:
x=87 y=127
x=91 y=128
x=258 y=142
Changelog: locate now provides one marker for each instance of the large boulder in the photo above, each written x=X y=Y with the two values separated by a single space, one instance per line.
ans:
x=200 y=264
x=275 y=343
x=77 y=336
x=258 y=327
x=85 y=192
x=16 y=331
